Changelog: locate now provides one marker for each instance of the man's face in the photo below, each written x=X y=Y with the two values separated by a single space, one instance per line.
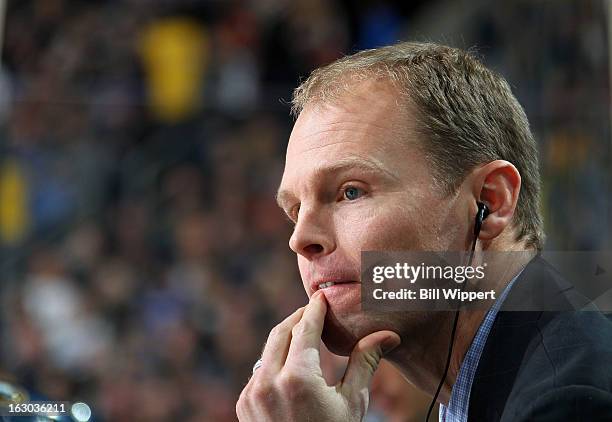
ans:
x=355 y=181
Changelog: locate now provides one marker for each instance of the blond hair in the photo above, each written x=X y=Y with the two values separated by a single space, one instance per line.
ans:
x=466 y=114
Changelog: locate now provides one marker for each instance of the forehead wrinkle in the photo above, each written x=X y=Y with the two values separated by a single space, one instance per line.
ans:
x=316 y=147
x=372 y=123
x=352 y=132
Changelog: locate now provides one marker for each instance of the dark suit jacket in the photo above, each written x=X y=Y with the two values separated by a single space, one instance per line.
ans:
x=553 y=365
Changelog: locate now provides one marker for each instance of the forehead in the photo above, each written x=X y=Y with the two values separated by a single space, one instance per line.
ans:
x=372 y=110
x=368 y=125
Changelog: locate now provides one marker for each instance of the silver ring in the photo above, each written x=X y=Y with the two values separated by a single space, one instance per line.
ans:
x=257 y=365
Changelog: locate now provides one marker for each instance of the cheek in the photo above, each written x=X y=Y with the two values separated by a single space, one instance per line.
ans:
x=386 y=227
x=395 y=232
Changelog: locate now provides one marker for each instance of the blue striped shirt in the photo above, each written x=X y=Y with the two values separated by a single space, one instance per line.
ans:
x=457 y=410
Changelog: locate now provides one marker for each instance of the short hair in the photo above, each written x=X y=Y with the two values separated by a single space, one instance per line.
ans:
x=466 y=115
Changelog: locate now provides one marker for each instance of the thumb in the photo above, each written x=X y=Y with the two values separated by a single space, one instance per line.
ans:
x=364 y=361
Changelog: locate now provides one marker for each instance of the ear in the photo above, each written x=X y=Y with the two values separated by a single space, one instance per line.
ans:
x=497 y=184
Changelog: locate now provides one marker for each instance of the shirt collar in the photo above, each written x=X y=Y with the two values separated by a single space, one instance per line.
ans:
x=457 y=409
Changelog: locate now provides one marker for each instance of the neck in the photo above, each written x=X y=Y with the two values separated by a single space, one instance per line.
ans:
x=422 y=362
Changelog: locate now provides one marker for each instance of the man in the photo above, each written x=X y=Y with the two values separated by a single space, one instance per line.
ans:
x=392 y=149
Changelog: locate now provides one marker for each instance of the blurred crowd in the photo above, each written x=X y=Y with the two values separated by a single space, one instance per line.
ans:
x=143 y=258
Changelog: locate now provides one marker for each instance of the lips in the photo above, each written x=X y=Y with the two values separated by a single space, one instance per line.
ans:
x=322 y=283
x=329 y=274
x=342 y=296
x=326 y=284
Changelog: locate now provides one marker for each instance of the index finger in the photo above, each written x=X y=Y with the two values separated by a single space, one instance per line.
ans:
x=275 y=351
x=306 y=334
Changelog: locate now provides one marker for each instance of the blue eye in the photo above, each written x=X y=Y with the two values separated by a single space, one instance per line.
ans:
x=351 y=193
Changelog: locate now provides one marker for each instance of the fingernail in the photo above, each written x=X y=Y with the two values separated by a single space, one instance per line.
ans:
x=318 y=296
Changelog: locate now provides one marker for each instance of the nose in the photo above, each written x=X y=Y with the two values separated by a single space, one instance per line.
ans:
x=313 y=235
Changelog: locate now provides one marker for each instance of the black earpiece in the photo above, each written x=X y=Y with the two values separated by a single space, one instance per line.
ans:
x=481 y=214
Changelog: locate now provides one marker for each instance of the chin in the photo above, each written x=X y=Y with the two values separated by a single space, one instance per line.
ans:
x=342 y=332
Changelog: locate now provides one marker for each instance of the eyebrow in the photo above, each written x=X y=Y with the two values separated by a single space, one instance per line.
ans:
x=345 y=164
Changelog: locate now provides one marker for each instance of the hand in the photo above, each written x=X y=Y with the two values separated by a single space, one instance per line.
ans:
x=289 y=385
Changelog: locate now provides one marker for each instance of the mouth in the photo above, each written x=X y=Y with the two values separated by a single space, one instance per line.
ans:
x=328 y=284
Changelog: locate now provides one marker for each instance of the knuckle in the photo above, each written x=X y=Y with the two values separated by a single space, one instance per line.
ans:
x=293 y=385
x=370 y=361
x=242 y=403
x=275 y=331
x=295 y=331
x=262 y=393
x=288 y=381
x=278 y=330
x=301 y=328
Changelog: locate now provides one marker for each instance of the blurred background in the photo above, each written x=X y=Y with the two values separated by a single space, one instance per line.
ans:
x=143 y=259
